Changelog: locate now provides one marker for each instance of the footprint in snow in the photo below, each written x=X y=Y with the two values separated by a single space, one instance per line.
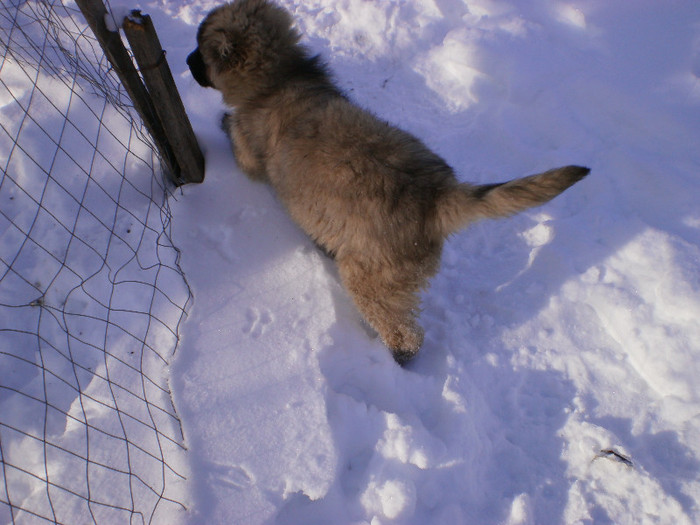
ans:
x=231 y=476
x=257 y=322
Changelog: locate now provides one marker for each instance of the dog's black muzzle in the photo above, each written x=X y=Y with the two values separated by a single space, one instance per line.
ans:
x=198 y=68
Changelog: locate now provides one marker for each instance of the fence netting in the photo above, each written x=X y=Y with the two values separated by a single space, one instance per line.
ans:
x=91 y=294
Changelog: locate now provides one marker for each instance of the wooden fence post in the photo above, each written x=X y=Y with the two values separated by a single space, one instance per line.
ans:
x=94 y=12
x=155 y=71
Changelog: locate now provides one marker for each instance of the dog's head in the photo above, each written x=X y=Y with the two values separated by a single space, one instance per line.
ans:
x=243 y=47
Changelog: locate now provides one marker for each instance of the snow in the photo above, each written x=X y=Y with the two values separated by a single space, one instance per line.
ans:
x=552 y=336
x=115 y=17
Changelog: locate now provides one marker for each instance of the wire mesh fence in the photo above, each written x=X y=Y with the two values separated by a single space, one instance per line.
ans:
x=91 y=294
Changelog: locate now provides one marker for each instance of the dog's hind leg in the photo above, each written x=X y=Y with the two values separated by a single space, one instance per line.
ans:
x=387 y=304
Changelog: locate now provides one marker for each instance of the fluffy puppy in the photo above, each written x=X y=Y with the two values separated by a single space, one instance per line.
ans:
x=372 y=196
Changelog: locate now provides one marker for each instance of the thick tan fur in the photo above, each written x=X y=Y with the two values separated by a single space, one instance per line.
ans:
x=372 y=196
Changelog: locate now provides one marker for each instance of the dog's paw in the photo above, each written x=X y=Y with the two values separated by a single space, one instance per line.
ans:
x=404 y=342
x=402 y=357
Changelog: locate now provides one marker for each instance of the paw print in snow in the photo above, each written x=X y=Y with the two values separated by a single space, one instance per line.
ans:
x=231 y=476
x=257 y=322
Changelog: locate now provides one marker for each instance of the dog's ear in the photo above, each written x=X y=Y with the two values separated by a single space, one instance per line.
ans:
x=229 y=51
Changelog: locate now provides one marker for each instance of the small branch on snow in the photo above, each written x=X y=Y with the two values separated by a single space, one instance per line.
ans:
x=615 y=456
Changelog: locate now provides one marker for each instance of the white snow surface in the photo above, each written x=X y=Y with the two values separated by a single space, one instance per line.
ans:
x=558 y=342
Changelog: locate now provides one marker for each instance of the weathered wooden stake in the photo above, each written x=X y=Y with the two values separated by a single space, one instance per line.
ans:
x=94 y=12
x=155 y=71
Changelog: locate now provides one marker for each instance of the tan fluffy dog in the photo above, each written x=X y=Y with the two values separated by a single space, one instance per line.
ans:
x=372 y=196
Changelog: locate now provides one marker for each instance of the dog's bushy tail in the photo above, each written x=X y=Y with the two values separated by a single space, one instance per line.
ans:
x=466 y=203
